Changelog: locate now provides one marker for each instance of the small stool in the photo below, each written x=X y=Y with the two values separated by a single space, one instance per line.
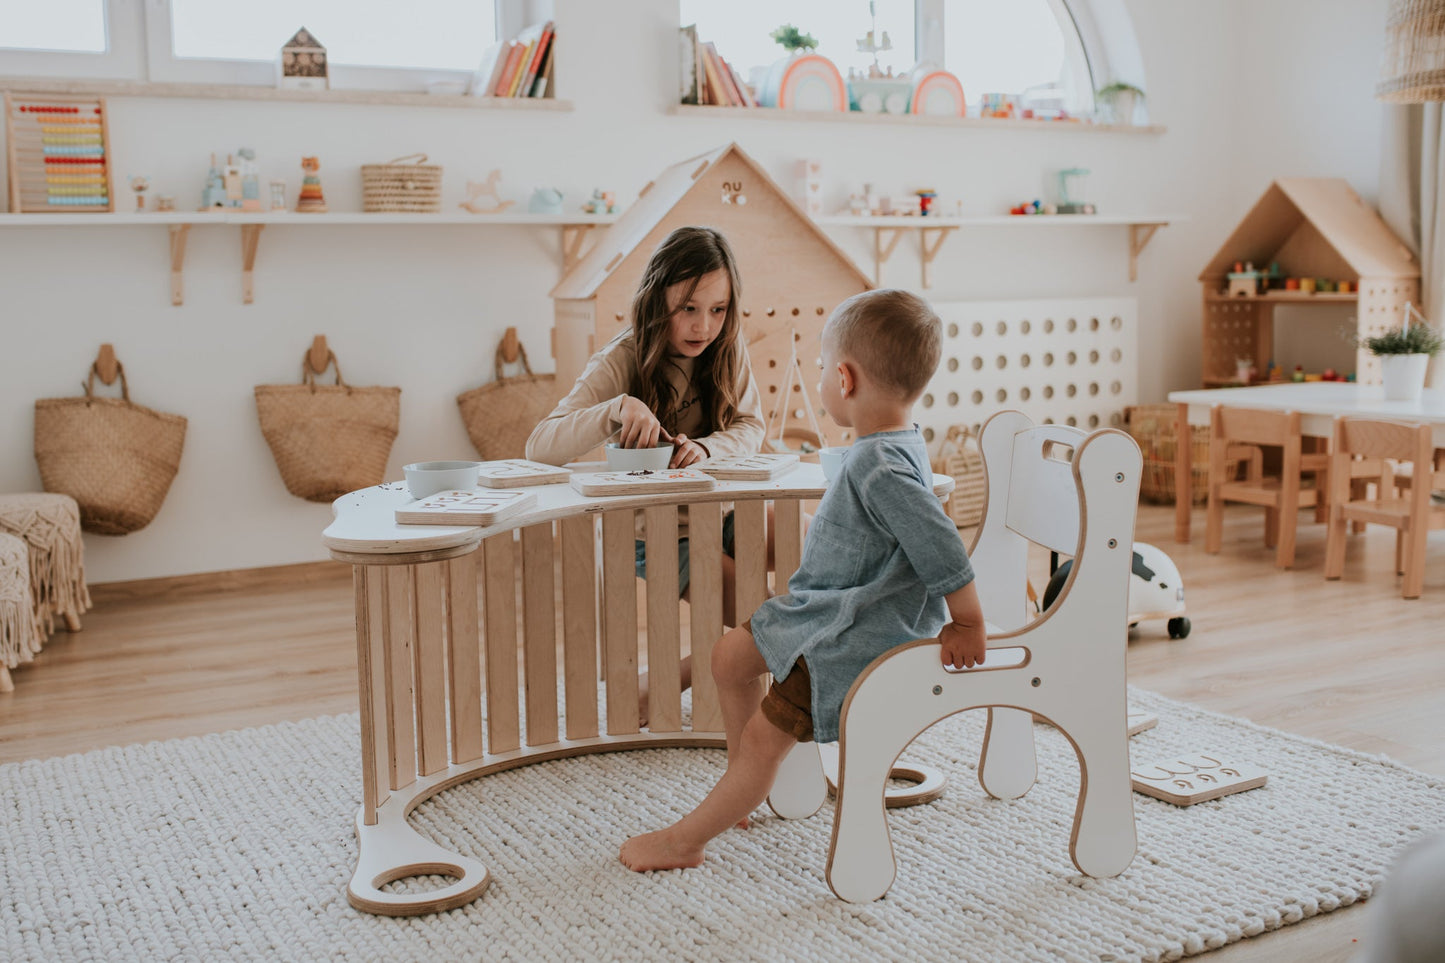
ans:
x=19 y=635
x=50 y=524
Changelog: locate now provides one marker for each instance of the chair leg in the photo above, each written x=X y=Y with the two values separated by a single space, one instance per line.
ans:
x=800 y=788
x=1104 y=839
x=1271 y=527
x=1415 y=559
x=1288 y=529
x=6 y=683
x=1335 y=545
x=1399 y=551
x=861 y=866
x=1008 y=768
x=1214 y=522
x=72 y=622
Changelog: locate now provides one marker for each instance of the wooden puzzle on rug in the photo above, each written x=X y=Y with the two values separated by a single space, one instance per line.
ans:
x=1186 y=780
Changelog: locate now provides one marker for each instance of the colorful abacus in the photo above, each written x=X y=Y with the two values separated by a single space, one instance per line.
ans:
x=58 y=153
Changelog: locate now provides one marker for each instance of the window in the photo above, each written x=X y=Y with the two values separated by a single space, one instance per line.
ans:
x=69 y=38
x=1033 y=50
x=370 y=44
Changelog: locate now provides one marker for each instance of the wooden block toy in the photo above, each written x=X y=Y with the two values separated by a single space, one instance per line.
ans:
x=520 y=473
x=465 y=508
x=759 y=467
x=642 y=482
x=1186 y=780
x=1141 y=721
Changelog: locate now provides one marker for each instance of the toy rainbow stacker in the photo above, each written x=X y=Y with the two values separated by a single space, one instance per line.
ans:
x=58 y=151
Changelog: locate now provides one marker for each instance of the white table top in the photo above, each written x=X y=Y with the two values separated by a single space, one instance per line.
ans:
x=1326 y=398
x=366 y=523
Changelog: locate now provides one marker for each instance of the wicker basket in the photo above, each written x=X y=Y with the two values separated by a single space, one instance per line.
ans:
x=401 y=188
x=959 y=456
x=1154 y=427
x=328 y=439
x=500 y=415
x=114 y=457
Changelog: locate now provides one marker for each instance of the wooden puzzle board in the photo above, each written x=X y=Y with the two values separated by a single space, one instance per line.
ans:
x=643 y=482
x=1189 y=779
x=520 y=473
x=1140 y=721
x=760 y=467
x=465 y=508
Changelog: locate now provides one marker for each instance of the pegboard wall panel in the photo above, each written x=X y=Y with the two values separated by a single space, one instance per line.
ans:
x=1381 y=307
x=1066 y=361
x=1234 y=330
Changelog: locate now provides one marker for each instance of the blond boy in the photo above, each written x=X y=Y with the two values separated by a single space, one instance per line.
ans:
x=882 y=566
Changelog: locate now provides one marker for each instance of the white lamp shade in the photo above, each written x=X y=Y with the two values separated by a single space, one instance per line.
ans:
x=1413 y=71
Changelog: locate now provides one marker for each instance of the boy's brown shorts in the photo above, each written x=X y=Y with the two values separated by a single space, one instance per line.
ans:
x=789 y=704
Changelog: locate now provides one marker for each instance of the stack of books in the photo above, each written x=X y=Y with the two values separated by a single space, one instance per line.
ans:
x=707 y=78
x=517 y=68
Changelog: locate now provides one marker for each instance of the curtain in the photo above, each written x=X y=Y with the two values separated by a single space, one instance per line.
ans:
x=1412 y=189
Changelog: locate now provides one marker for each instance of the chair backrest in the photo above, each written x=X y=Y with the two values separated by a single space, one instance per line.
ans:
x=1036 y=493
x=1398 y=440
x=1254 y=426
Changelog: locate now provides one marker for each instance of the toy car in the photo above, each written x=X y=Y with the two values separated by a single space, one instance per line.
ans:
x=1156 y=590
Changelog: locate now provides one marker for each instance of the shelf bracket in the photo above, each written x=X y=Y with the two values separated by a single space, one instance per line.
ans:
x=574 y=239
x=179 y=233
x=250 y=238
x=883 y=251
x=1139 y=235
x=930 y=251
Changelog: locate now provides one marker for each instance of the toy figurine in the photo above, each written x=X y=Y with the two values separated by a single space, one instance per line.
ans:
x=250 y=199
x=925 y=200
x=478 y=190
x=311 y=200
x=139 y=185
x=215 y=193
x=602 y=202
x=278 y=195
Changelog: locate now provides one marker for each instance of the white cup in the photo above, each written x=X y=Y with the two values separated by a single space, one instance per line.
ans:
x=831 y=458
x=425 y=478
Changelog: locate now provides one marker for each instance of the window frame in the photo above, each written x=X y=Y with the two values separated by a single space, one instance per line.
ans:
x=121 y=59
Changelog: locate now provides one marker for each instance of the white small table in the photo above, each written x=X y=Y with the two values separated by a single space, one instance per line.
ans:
x=1318 y=402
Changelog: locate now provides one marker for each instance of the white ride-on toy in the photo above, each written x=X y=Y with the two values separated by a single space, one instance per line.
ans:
x=1156 y=590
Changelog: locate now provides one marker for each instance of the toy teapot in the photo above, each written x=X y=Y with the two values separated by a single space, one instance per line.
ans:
x=545 y=200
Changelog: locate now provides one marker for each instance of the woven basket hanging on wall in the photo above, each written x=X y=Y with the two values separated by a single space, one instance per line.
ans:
x=401 y=188
x=328 y=439
x=114 y=457
x=499 y=416
x=959 y=456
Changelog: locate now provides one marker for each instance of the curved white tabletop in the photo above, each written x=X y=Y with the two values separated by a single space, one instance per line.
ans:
x=365 y=520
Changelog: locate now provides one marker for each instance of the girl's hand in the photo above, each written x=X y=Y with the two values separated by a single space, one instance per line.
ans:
x=640 y=427
x=687 y=452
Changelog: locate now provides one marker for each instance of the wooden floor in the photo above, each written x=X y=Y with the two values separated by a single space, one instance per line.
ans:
x=1348 y=662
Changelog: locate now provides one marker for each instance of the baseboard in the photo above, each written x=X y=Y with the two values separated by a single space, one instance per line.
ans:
x=210 y=583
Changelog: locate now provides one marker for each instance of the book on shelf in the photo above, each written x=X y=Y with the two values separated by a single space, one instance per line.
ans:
x=691 y=74
x=509 y=69
x=484 y=78
x=717 y=94
x=528 y=40
x=731 y=96
x=534 y=62
x=543 y=85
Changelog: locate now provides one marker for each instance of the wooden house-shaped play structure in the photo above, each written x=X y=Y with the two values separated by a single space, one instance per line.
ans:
x=1320 y=233
x=792 y=274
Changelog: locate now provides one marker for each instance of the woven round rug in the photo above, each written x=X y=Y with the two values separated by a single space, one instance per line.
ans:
x=239 y=846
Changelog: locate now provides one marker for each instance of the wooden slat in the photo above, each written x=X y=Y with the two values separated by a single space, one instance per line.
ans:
x=579 y=624
x=750 y=551
x=429 y=668
x=464 y=671
x=787 y=541
x=371 y=678
x=664 y=644
x=400 y=722
x=619 y=621
x=704 y=532
x=539 y=632
x=503 y=728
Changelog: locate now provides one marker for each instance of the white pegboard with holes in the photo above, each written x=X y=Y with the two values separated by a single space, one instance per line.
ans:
x=1068 y=361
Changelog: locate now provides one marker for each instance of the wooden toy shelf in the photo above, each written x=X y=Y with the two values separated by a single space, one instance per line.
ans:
x=924 y=120
x=576 y=229
x=932 y=230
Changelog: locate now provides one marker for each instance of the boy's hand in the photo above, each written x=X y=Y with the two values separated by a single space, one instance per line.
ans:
x=964 y=646
x=640 y=427
x=686 y=452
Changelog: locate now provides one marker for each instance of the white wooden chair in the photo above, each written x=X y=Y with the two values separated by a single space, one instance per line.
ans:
x=1068 y=492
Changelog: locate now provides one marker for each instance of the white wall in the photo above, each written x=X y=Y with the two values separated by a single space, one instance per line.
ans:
x=1248 y=91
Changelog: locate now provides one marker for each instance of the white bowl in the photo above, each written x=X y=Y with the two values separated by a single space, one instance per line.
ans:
x=638 y=459
x=831 y=458
x=429 y=477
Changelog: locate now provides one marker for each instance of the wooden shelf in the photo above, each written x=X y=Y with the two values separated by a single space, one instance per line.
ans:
x=398 y=98
x=1289 y=297
x=576 y=229
x=925 y=120
x=933 y=229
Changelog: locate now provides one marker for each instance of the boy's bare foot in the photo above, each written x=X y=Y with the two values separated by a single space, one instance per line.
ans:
x=659 y=850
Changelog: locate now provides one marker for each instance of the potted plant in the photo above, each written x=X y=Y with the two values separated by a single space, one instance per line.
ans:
x=1404 y=354
x=1119 y=100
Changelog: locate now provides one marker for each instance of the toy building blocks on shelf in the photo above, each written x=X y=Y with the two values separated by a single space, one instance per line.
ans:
x=601 y=202
x=311 y=200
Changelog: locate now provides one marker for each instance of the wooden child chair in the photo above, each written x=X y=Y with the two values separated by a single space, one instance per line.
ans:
x=1282 y=495
x=1412 y=516
x=1067 y=666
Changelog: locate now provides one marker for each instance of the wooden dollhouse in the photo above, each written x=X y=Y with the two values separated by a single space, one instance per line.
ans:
x=1316 y=229
x=793 y=275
